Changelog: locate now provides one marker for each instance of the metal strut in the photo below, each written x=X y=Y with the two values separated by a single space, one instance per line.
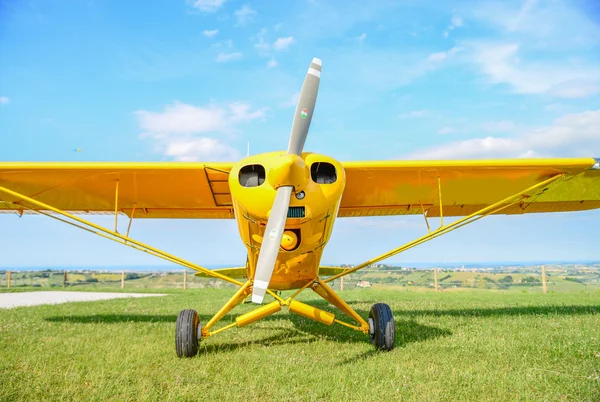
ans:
x=115 y=236
x=489 y=210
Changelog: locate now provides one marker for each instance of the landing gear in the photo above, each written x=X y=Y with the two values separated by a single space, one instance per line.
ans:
x=188 y=332
x=382 y=328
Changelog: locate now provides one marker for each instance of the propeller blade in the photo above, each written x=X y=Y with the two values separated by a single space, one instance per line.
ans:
x=269 y=248
x=305 y=108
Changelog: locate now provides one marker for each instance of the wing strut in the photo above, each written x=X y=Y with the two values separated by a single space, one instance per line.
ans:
x=114 y=236
x=489 y=210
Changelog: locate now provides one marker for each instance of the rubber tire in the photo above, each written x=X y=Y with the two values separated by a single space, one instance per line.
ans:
x=186 y=333
x=384 y=335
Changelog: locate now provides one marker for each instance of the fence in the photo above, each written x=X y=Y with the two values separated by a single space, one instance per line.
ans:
x=435 y=279
x=101 y=279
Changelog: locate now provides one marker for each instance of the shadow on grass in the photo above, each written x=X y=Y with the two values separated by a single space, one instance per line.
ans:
x=303 y=331
x=112 y=318
x=306 y=331
x=503 y=311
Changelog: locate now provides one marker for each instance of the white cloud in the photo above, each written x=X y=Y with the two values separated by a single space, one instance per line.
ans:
x=292 y=102
x=283 y=43
x=385 y=71
x=261 y=45
x=241 y=112
x=455 y=22
x=436 y=57
x=502 y=65
x=415 y=114
x=181 y=118
x=446 y=130
x=245 y=15
x=361 y=38
x=186 y=132
x=556 y=108
x=210 y=34
x=200 y=149
x=272 y=63
x=207 y=5
x=225 y=57
x=498 y=126
x=576 y=134
x=573 y=90
x=562 y=23
x=225 y=43
x=4 y=100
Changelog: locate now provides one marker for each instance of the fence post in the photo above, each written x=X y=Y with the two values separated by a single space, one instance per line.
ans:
x=342 y=284
x=64 y=279
x=8 y=273
x=544 y=287
x=122 y=279
x=435 y=276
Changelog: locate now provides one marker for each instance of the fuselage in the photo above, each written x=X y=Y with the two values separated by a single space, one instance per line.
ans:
x=318 y=182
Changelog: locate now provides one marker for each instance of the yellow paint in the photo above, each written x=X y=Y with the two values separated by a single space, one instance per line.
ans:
x=289 y=240
x=252 y=206
x=373 y=188
x=311 y=312
x=258 y=314
x=172 y=189
x=237 y=298
x=287 y=170
x=471 y=189
x=323 y=290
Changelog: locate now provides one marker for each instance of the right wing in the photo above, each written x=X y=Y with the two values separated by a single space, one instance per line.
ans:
x=380 y=188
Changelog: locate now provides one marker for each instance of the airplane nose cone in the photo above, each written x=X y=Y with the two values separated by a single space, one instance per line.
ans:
x=288 y=170
x=289 y=241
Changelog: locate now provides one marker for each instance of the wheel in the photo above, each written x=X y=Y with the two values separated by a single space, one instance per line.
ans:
x=188 y=332
x=382 y=328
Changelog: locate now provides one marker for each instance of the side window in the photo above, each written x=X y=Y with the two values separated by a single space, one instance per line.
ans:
x=252 y=175
x=323 y=173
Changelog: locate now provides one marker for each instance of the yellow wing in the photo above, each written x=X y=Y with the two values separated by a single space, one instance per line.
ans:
x=200 y=190
x=380 y=188
x=157 y=190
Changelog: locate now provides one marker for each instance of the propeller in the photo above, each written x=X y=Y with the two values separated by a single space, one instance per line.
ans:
x=267 y=256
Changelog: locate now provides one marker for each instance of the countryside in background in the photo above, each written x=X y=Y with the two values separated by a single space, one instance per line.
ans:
x=559 y=277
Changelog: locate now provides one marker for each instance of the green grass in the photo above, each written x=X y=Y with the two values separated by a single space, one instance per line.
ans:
x=467 y=345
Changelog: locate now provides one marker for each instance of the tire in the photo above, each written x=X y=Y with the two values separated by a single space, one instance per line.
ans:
x=187 y=333
x=382 y=328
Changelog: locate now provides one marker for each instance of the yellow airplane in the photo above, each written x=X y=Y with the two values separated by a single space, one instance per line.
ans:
x=285 y=204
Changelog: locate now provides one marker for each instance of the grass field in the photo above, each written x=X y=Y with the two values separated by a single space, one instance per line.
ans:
x=467 y=345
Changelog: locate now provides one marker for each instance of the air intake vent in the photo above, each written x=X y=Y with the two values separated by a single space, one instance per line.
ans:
x=296 y=212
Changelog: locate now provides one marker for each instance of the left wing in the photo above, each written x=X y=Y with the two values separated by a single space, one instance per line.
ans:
x=153 y=189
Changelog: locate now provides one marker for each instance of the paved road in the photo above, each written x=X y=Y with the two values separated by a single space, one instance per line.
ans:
x=9 y=300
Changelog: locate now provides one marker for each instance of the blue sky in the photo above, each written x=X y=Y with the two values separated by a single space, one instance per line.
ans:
x=198 y=80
